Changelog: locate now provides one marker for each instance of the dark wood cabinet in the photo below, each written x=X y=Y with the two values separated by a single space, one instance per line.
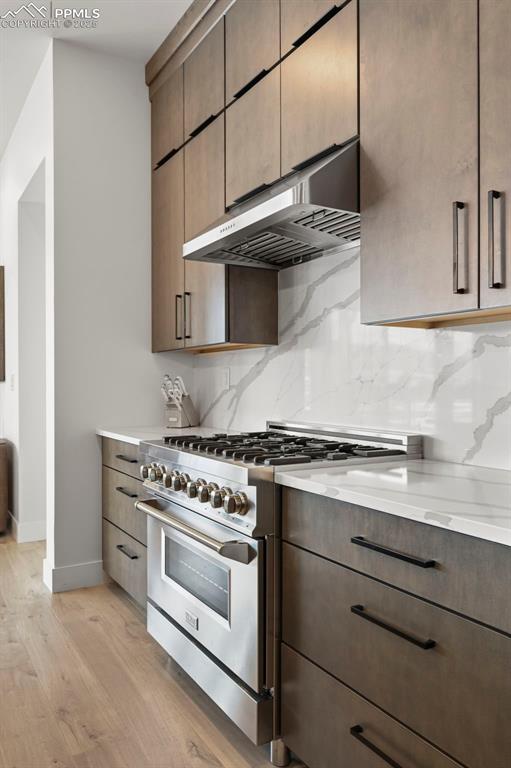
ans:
x=495 y=149
x=167 y=129
x=419 y=158
x=318 y=717
x=204 y=80
x=320 y=90
x=252 y=143
x=436 y=672
x=298 y=17
x=252 y=42
x=167 y=255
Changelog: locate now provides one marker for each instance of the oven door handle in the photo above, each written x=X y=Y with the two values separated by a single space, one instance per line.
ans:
x=231 y=550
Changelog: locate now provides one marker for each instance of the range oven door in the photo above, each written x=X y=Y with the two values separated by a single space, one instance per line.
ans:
x=210 y=580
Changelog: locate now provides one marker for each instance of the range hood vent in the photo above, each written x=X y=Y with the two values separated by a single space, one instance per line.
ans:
x=300 y=218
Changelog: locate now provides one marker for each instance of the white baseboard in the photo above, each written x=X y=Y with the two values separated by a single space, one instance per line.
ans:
x=29 y=531
x=68 y=577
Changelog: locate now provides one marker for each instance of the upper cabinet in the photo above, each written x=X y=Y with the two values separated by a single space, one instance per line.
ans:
x=204 y=81
x=167 y=255
x=299 y=19
x=253 y=139
x=495 y=149
x=167 y=133
x=320 y=91
x=252 y=43
x=419 y=157
x=205 y=179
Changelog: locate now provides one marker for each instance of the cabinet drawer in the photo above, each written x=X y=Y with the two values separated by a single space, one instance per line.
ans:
x=470 y=575
x=318 y=714
x=119 y=495
x=121 y=456
x=125 y=561
x=453 y=691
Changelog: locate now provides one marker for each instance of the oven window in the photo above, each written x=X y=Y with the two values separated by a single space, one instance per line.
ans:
x=199 y=575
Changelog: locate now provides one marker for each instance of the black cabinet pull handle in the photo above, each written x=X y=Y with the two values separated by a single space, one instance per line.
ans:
x=250 y=84
x=126 y=551
x=360 y=541
x=202 y=125
x=127 y=493
x=188 y=315
x=496 y=239
x=357 y=732
x=317 y=24
x=128 y=459
x=459 y=237
x=249 y=194
x=178 y=314
x=426 y=645
x=318 y=156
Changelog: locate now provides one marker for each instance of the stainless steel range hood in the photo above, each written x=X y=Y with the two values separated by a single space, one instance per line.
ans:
x=302 y=217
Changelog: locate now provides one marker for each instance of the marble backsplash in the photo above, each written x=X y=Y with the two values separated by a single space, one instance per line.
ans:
x=451 y=385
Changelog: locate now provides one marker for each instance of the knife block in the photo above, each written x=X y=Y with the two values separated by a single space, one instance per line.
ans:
x=186 y=416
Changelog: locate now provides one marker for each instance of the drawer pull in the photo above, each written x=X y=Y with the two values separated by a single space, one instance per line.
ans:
x=127 y=493
x=360 y=541
x=250 y=84
x=426 y=645
x=126 y=551
x=317 y=25
x=127 y=459
x=357 y=732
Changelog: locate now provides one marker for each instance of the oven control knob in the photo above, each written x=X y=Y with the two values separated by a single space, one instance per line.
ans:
x=162 y=468
x=167 y=479
x=155 y=474
x=216 y=497
x=236 y=503
x=144 y=471
x=192 y=487
x=176 y=482
x=204 y=490
x=185 y=479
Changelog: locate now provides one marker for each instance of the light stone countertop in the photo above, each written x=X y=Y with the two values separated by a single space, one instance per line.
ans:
x=137 y=435
x=472 y=500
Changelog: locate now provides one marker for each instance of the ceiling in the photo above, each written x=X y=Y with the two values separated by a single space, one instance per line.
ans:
x=129 y=28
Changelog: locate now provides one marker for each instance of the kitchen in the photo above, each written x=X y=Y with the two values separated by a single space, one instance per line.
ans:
x=319 y=551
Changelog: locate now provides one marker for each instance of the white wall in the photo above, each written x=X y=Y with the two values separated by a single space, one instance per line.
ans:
x=31 y=513
x=30 y=145
x=105 y=373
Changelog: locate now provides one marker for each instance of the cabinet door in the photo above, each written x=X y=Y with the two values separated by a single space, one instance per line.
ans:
x=205 y=284
x=495 y=148
x=319 y=91
x=252 y=42
x=204 y=80
x=418 y=126
x=253 y=139
x=298 y=16
x=167 y=117
x=167 y=255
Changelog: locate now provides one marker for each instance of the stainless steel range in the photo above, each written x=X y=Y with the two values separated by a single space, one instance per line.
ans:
x=213 y=529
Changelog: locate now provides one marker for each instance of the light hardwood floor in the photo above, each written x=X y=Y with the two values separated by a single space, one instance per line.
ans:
x=82 y=685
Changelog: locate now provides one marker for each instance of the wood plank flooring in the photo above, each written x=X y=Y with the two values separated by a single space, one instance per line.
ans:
x=82 y=685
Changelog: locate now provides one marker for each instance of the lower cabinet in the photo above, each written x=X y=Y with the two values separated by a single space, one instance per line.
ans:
x=329 y=726
x=124 y=528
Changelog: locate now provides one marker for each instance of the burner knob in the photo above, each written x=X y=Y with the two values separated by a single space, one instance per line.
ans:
x=192 y=487
x=216 y=497
x=204 y=490
x=167 y=480
x=236 y=503
x=176 y=483
x=144 y=471
x=162 y=468
x=155 y=474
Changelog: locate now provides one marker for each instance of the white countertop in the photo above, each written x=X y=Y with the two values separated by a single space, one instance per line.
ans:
x=137 y=435
x=466 y=499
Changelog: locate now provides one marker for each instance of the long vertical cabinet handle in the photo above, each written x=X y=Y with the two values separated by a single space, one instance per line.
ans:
x=459 y=247
x=496 y=246
x=188 y=315
x=179 y=316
